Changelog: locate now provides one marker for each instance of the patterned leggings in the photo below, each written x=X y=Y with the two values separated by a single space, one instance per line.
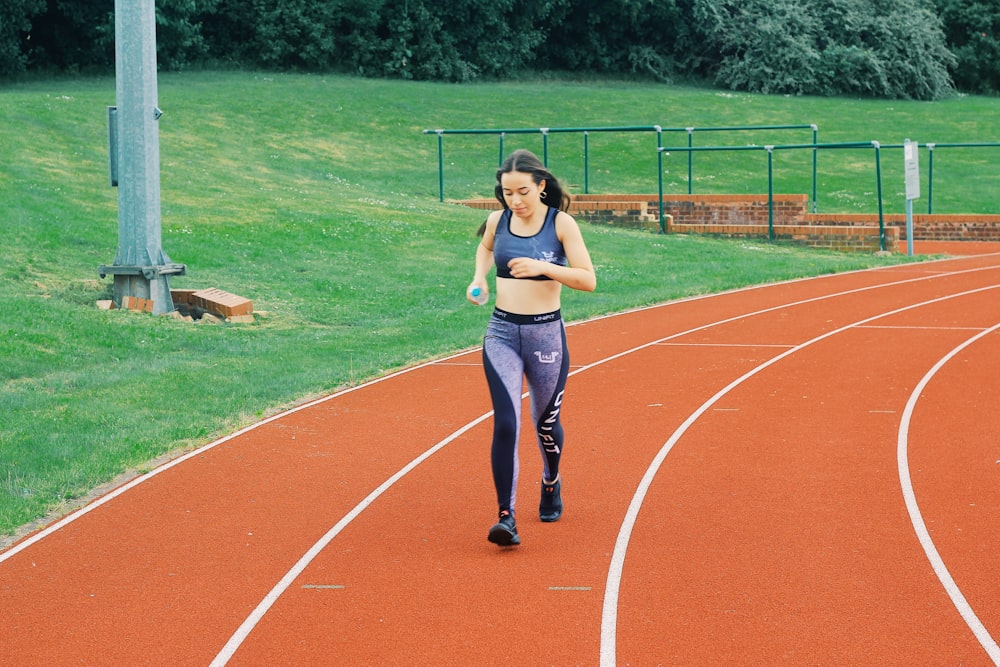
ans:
x=518 y=347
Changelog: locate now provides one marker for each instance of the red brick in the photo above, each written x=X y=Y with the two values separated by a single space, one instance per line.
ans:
x=226 y=304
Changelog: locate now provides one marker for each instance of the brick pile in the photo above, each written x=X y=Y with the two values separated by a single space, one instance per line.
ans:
x=211 y=303
x=214 y=301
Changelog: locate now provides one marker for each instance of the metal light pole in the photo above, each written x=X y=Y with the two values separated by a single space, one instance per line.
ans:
x=140 y=267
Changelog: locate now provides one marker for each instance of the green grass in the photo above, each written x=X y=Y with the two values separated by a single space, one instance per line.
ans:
x=317 y=197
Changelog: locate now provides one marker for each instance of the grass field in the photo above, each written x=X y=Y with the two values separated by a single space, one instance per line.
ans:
x=317 y=197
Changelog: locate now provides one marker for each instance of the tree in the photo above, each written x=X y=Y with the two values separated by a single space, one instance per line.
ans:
x=973 y=34
x=614 y=36
x=15 y=26
x=883 y=48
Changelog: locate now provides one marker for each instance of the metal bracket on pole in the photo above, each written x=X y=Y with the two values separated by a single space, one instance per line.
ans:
x=147 y=272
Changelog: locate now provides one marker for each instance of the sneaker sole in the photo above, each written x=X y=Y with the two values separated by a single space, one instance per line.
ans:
x=503 y=537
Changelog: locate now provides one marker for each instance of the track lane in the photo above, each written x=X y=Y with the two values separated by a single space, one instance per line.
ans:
x=960 y=475
x=417 y=648
x=201 y=543
x=750 y=589
x=211 y=543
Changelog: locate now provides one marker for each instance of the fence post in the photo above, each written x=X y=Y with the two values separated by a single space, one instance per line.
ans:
x=440 y=134
x=930 y=178
x=659 y=171
x=690 y=131
x=770 y=193
x=815 y=130
x=878 y=176
x=586 y=162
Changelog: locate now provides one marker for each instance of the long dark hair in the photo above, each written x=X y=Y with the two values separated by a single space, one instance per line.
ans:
x=527 y=162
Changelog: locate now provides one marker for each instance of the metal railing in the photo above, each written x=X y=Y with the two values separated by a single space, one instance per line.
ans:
x=690 y=149
x=586 y=131
x=770 y=173
x=545 y=132
x=816 y=147
x=930 y=164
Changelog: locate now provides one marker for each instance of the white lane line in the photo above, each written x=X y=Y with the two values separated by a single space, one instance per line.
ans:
x=258 y=613
x=916 y=518
x=248 y=625
x=609 y=615
x=751 y=345
x=83 y=511
x=103 y=500
x=907 y=328
x=69 y=519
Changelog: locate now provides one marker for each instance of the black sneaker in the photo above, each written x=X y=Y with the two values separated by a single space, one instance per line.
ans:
x=504 y=532
x=550 y=508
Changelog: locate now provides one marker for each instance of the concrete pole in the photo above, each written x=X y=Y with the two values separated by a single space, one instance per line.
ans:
x=141 y=267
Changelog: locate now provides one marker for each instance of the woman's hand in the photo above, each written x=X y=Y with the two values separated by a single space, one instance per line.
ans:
x=525 y=267
x=484 y=292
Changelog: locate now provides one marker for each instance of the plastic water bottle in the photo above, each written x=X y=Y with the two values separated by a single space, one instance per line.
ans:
x=478 y=295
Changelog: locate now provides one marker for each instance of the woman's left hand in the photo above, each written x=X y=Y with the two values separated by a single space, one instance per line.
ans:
x=525 y=267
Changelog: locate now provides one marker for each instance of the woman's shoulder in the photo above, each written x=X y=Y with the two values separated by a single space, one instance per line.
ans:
x=491 y=222
x=564 y=219
x=493 y=219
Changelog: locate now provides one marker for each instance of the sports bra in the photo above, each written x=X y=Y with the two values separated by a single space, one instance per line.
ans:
x=544 y=245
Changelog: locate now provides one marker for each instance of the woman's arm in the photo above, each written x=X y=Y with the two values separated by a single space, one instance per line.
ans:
x=484 y=257
x=579 y=275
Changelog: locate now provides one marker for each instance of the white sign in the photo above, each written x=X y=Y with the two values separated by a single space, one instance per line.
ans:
x=912 y=169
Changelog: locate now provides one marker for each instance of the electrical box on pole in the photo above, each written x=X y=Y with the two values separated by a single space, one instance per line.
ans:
x=140 y=268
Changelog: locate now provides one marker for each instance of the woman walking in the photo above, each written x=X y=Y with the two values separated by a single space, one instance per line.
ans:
x=537 y=248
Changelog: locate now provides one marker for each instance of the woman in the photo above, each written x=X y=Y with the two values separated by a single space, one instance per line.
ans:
x=537 y=248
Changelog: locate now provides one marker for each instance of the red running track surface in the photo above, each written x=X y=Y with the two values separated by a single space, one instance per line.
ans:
x=802 y=473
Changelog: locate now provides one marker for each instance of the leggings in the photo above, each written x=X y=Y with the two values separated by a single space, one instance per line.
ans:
x=517 y=347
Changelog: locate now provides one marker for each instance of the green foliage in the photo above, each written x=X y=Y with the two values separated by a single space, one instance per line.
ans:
x=973 y=32
x=829 y=47
x=900 y=49
x=180 y=41
x=768 y=47
x=613 y=36
x=15 y=19
x=74 y=36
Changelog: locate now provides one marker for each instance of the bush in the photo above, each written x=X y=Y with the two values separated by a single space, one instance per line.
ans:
x=883 y=48
x=972 y=30
x=779 y=53
x=613 y=36
x=15 y=22
x=828 y=47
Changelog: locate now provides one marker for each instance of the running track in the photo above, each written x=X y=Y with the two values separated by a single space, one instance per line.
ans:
x=806 y=473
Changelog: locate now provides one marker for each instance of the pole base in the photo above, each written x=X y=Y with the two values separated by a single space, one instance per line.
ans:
x=147 y=282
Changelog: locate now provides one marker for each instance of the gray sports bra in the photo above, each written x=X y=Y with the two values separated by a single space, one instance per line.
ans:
x=544 y=245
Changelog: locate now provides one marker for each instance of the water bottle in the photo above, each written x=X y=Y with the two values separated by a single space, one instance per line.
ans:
x=478 y=295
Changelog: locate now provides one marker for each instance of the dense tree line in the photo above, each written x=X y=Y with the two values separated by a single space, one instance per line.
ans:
x=921 y=49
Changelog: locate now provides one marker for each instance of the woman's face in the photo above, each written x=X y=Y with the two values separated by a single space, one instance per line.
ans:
x=521 y=192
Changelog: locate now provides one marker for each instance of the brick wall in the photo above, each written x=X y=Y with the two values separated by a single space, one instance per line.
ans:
x=747 y=216
x=926 y=227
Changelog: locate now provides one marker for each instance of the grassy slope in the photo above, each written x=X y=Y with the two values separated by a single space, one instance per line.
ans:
x=317 y=198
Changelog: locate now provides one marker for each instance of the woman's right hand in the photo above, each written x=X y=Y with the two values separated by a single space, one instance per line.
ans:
x=480 y=297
